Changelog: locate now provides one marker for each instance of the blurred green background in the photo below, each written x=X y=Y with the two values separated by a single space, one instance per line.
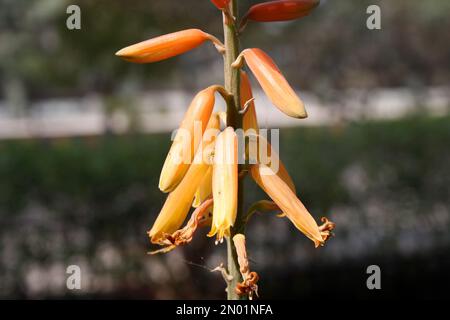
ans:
x=88 y=199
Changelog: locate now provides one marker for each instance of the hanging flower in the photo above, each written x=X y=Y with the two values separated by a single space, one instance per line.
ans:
x=273 y=82
x=201 y=168
x=183 y=236
x=204 y=191
x=179 y=201
x=184 y=145
x=285 y=198
x=166 y=46
x=281 y=10
x=224 y=184
x=273 y=162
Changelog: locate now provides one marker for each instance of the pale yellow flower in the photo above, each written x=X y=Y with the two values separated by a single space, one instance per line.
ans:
x=224 y=184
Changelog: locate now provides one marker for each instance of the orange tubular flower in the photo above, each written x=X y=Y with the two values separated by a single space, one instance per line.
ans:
x=225 y=184
x=221 y=4
x=166 y=46
x=179 y=201
x=249 y=120
x=274 y=157
x=273 y=82
x=280 y=192
x=184 y=145
x=282 y=10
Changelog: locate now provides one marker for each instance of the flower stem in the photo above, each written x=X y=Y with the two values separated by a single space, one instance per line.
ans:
x=234 y=119
x=232 y=76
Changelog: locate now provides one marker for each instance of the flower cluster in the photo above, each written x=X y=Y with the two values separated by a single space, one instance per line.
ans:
x=207 y=178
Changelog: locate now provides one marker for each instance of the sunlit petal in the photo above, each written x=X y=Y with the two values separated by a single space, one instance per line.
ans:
x=184 y=146
x=164 y=47
x=280 y=192
x=280 y=10
x=225 y=184
x=273 y=83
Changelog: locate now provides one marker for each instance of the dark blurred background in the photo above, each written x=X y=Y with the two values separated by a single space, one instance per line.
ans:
x=83 y=136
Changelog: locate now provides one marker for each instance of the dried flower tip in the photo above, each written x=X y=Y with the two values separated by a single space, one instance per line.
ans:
x=185 y=235
x=248 y=285
x=239 y=243
x=326 y=228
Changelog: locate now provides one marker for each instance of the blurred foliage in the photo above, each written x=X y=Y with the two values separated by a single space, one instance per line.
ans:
x=74 y=200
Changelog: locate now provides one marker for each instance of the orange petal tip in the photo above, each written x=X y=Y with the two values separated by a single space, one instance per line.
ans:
x=273 y=83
